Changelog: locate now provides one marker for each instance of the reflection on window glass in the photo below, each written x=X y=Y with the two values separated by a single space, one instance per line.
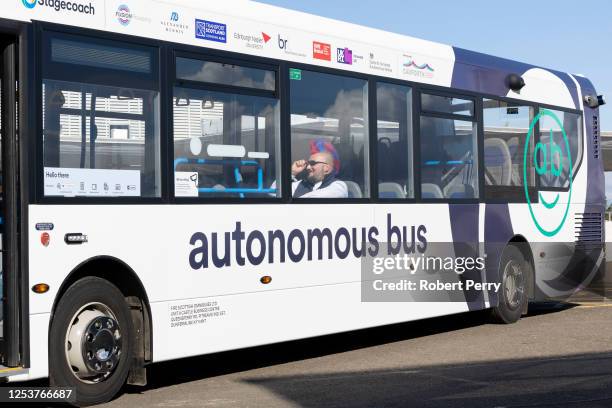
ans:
x=506 y=126
x=225 y=145
x=447 y=104
x=394 y=127
x=225 y=74
x=552 y=158
x=100 y=141
x=329 y=125
x=449 y=167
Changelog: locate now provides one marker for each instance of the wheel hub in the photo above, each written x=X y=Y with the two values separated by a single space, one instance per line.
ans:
x=93 y=343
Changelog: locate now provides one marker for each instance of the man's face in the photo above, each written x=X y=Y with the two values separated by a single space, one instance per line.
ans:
x=319 y=168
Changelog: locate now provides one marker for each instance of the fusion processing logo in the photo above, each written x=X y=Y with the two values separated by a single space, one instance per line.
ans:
x=553 y=163
x=29 y=3
x=124 y=16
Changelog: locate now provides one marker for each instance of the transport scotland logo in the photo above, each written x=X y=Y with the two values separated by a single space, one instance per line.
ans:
x=549 y=162
x=211 y=31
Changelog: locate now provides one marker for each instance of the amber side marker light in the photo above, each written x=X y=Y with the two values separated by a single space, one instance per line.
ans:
x=266 y=279
x=40 y=288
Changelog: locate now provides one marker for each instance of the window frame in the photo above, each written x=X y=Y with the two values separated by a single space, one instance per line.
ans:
x=201 y=54
x=476 y=119
x=43 y=32
x=370 y=110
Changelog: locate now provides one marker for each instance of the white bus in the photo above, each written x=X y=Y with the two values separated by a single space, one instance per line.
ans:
x=182 y=178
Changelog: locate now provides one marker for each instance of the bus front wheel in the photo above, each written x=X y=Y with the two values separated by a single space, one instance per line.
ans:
x=512 y=295
x=90 y=342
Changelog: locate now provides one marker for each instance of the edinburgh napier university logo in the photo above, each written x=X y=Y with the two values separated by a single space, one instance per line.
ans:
x=211 y=31
x=61 y=5
x=255 y=41
x=549 y=162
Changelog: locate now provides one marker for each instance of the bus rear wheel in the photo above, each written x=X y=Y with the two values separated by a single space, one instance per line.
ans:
x=512 y=296
x=90 y=342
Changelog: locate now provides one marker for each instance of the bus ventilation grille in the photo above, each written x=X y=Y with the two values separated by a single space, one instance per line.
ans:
x=596 y=137
x=589 y=227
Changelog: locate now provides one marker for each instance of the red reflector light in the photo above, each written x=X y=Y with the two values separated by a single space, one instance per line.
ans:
x=45 y=238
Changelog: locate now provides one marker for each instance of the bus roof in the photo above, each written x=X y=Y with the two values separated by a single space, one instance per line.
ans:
x=268 y=31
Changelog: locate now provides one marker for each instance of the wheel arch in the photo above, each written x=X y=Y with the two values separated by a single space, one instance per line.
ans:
x=127 y=281
x=525 y=248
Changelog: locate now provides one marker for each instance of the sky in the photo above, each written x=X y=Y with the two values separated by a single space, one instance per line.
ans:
x=569 y=36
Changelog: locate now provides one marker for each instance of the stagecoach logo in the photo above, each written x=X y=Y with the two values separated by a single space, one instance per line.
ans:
x=409 y=66
x=174 y=24
x=61 y=5
x=553 y=164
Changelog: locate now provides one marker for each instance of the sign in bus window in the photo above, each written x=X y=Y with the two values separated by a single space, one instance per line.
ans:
x=225 y=145
x=100 y=141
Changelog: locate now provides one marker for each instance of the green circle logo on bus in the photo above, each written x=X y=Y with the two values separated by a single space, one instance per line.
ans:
x=545 y=164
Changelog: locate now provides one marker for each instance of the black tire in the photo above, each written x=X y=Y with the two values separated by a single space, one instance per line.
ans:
x=515 y=273
x=90 y=291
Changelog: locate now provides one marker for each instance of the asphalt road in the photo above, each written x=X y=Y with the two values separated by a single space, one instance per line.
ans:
x=560 y=355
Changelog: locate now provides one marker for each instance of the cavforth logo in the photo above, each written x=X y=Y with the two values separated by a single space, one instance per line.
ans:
x=124 y=16
x=549 y=162
x=61 y=6
x=410 y=67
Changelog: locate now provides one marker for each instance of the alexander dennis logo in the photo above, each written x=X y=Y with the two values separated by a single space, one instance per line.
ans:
x=174 y=16
x=553 y=164
x=61 y=5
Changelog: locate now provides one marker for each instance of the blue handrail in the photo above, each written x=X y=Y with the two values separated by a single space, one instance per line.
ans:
x=236 y=163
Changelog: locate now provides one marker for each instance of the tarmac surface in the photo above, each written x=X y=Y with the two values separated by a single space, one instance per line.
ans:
x=560 y=355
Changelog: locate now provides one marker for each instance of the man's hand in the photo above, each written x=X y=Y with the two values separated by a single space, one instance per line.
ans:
x=298 y=166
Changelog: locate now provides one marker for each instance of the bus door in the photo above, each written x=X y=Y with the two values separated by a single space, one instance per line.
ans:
x=9 y=306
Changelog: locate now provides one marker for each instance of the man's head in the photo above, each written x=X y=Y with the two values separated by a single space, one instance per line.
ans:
x=319 y=166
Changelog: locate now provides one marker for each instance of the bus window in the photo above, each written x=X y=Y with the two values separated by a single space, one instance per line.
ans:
x=100 y=135
x=225 y=144
x=394 y=129
x=505 y=132
x=449 y=154
x=329 y=113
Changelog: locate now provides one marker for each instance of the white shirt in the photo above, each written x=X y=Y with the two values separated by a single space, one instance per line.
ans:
x=337 y=189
